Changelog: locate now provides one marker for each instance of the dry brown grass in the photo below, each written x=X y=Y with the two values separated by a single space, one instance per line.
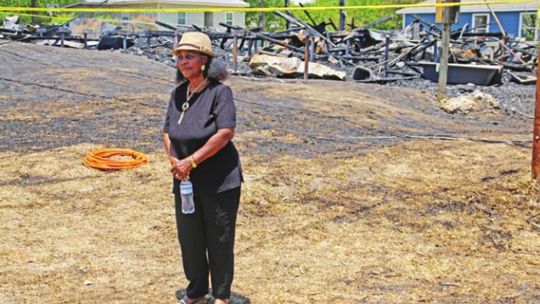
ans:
x=420 y=221
x=404 y=224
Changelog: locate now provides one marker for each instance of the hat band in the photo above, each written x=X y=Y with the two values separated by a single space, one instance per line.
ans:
x=193 y=45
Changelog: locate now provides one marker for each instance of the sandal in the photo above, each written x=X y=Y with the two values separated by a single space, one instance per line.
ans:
x=187 y=300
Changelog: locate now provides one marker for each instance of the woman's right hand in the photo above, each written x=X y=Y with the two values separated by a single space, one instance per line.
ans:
x=180 y=168
x=174 y=161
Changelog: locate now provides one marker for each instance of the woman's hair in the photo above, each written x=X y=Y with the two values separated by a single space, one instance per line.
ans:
x=215 y=71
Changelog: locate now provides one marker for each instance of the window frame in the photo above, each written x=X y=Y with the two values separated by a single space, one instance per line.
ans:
x=229 y=14
x=474 y=26
x=185 y=17
x=535 y=29
x=208 y=19
x=125 y=17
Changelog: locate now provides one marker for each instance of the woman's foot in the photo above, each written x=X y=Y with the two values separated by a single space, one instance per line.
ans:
x=187 y=300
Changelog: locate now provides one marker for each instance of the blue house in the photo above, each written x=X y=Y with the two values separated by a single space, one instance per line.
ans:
x=517 y=19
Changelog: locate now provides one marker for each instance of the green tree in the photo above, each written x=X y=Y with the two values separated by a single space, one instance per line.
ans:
x=360 y=16
x=37 y=17
x=269 y=21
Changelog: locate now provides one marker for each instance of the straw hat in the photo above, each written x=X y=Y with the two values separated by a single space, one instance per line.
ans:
x=195 y=41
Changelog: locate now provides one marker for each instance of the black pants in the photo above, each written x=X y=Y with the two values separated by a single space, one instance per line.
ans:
x=209 y=230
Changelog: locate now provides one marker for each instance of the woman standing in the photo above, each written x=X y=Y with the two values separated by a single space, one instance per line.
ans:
x=199 y=127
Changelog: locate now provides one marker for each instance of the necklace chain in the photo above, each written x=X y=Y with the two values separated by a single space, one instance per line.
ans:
x=189 y=94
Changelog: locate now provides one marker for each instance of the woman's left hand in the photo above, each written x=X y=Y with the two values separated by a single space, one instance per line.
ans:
x=180 y=170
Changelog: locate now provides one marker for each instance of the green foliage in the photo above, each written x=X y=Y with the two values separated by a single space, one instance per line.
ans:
x=38 y=17
x=359 y=17
x=271 y=21
x=62 y=18
x=39 y=3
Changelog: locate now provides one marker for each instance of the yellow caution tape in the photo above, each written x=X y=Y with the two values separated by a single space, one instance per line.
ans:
x=249 y=9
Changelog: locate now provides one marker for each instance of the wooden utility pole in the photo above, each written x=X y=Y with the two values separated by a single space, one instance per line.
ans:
x=235 y=52
x=443 y=63
x=307 y=41
x=536 y=128
x=342 y=16
x=447 y=16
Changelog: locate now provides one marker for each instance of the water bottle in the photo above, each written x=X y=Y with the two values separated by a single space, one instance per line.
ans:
x=186 y=193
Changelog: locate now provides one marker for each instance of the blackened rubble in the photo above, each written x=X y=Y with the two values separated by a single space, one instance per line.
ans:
x=362 y=54
x=366 y=54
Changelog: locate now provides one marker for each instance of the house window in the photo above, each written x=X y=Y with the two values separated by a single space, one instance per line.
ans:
x=527 y=26
x=182 y=18
x=124 y=16
x=480 y=23
x=229 y=17
x=208 y=19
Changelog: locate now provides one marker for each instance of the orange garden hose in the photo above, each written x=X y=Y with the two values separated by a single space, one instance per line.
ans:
x=100 y=159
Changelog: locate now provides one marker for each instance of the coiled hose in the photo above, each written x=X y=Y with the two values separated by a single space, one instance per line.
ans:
x=100 y=159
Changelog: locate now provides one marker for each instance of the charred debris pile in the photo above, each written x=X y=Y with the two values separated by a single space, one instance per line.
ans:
x=361 y=54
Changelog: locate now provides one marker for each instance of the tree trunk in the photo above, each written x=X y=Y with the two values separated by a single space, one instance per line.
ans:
x=342 y=16
x=287 y=4
x=33 y=3
x=262 y=19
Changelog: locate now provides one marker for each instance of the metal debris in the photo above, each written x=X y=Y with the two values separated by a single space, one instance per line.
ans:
x=364 y=54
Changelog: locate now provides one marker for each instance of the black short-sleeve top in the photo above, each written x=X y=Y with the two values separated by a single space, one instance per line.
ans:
x=209 y=110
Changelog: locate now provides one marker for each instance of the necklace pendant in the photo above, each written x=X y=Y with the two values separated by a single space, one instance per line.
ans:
x=185 y=106
x=181 y=117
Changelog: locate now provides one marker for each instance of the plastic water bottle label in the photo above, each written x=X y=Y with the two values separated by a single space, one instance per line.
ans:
x=186 y=188
x=186 y=191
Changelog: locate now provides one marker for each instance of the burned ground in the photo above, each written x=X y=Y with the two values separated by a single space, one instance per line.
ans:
x=353 y=193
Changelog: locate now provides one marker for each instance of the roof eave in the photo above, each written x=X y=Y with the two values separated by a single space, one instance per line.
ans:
x=408 y=12
x=120 y=3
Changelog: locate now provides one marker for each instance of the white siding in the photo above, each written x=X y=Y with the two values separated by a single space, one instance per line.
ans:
x=172 y=18
x=169 y=18
x=196 y=18
x=239 y=19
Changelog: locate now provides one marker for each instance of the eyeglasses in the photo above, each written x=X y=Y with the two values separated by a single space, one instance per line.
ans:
x=188 y=57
